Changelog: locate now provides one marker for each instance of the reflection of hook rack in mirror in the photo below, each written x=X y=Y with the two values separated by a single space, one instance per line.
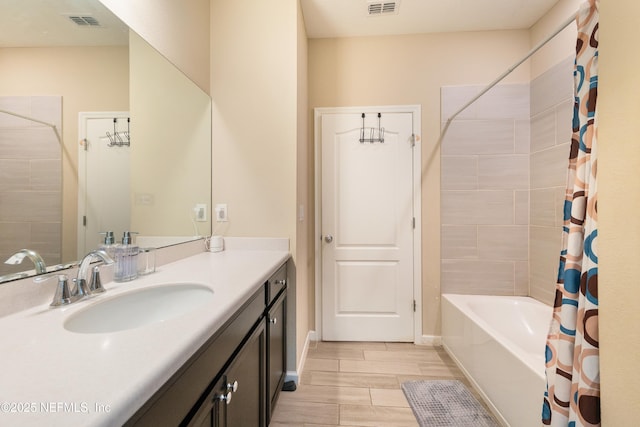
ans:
x=372 y=137
x=119 y=139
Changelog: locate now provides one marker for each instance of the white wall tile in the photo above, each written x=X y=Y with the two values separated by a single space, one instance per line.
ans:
x=552 y=87
x=46 y=175
x=29 y=143
x=503 y=242
x=468 y=137
x=31 y=206
x=564 y=122
x=459 y=242
x=12 y=232
x=477 y=277
x=521 y=274
x=541 y=290
x=459 y=172
x=522 y=136
x=521 y=210
x=454 y=97
x=31 y=177
x=543 y=131
x=551 y=92
x=503 y=172
x=501 y=101
x=15 y=104
x=477 y=207
x=549 y=167
x=14 y=175
x=504 y=101
x=545 y=245
x=543 y=207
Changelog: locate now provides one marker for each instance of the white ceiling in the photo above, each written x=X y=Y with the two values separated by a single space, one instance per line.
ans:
x=29 y=23
x=349 y=18
x=26 y=23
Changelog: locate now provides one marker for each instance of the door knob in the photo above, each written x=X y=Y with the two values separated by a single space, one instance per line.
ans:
x=328 y=238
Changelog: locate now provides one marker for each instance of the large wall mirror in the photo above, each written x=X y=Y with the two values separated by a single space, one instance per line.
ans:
x=67 y=62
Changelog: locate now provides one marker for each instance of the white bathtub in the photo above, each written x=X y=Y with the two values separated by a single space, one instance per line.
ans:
x=499 y=343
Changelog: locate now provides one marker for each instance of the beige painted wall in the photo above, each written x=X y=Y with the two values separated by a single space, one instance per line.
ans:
x=618 y=205
x=410 y=70
x=88 y=79
x=304 y=195
x=255 y=49
x=562 y=45
x=171 y=146
x=179 y=31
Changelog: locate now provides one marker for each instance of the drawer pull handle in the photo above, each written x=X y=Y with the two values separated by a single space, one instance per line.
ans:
x=226 y=397
x=281 y=282
x=273 y=321
x=232 y=386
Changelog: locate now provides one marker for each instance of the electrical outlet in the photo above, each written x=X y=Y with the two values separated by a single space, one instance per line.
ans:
x=221 y=212
x=201 y=212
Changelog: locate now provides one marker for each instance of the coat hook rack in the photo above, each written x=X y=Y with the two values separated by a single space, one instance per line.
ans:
x=372 y=137
x=119 y=139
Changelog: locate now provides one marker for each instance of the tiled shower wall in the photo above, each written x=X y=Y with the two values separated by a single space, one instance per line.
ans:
x=30 y=179
x=504 y=163
x=485 y=192
x=551 y=117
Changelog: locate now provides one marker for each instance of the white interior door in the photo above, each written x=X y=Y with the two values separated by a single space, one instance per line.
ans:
x=367 y=228
x=104 y=199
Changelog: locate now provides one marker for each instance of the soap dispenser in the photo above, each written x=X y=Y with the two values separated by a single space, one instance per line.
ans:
x=109 y=244
x=126 y=256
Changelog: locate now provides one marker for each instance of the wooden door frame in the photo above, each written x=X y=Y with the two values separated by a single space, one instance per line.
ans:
x=415 y=110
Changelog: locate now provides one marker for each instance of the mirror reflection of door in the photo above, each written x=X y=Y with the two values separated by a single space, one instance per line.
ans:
x=104 y=202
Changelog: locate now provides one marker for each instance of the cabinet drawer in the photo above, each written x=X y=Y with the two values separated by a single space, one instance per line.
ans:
x=276 y=284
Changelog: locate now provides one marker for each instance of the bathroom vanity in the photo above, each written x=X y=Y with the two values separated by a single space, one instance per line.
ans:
x=219 y=360
x=234 y=379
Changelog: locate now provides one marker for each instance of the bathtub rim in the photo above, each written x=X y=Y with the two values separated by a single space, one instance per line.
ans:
x=455 y=300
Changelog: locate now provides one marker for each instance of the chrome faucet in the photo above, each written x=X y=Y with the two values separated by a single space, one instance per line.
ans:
x=63 y=294
x=95 y=286
x=37 y=260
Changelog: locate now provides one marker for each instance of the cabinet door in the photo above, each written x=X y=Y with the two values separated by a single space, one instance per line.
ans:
x=277 y=349
x=247 y=376
x=211 y=412
x=238 y=399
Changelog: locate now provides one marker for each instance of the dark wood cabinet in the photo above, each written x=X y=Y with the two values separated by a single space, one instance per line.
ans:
x=276 y=349
x=235 y=378
x=238 y=398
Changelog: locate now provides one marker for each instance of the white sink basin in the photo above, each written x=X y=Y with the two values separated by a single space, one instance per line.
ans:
x=139 y=308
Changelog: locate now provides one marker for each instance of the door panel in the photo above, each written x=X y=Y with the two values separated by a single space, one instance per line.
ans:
x=367 y=209
x=104 y=187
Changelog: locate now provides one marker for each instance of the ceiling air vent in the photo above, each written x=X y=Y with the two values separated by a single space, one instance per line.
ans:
x=382 y=8
x=84 y=20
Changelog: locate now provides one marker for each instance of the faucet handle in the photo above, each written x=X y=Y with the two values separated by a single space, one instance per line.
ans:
x=63 y=295
x=95 y=285
x=81 y=290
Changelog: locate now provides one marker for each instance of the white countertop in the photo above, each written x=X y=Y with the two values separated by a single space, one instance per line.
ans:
x=54 y=377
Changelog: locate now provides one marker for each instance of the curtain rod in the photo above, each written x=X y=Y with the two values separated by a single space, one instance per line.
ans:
x=51 y=125
x=564 y=25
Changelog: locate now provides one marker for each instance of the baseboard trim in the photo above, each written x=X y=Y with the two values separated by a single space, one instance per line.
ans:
x=295 y=375
x=432 y=340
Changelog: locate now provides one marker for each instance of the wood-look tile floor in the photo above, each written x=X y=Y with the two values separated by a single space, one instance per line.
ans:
x=358 y=384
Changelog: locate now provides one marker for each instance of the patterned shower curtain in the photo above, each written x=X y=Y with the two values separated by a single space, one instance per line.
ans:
x=572 y=397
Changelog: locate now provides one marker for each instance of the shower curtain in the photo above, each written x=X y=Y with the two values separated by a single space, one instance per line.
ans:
x=572 y=397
